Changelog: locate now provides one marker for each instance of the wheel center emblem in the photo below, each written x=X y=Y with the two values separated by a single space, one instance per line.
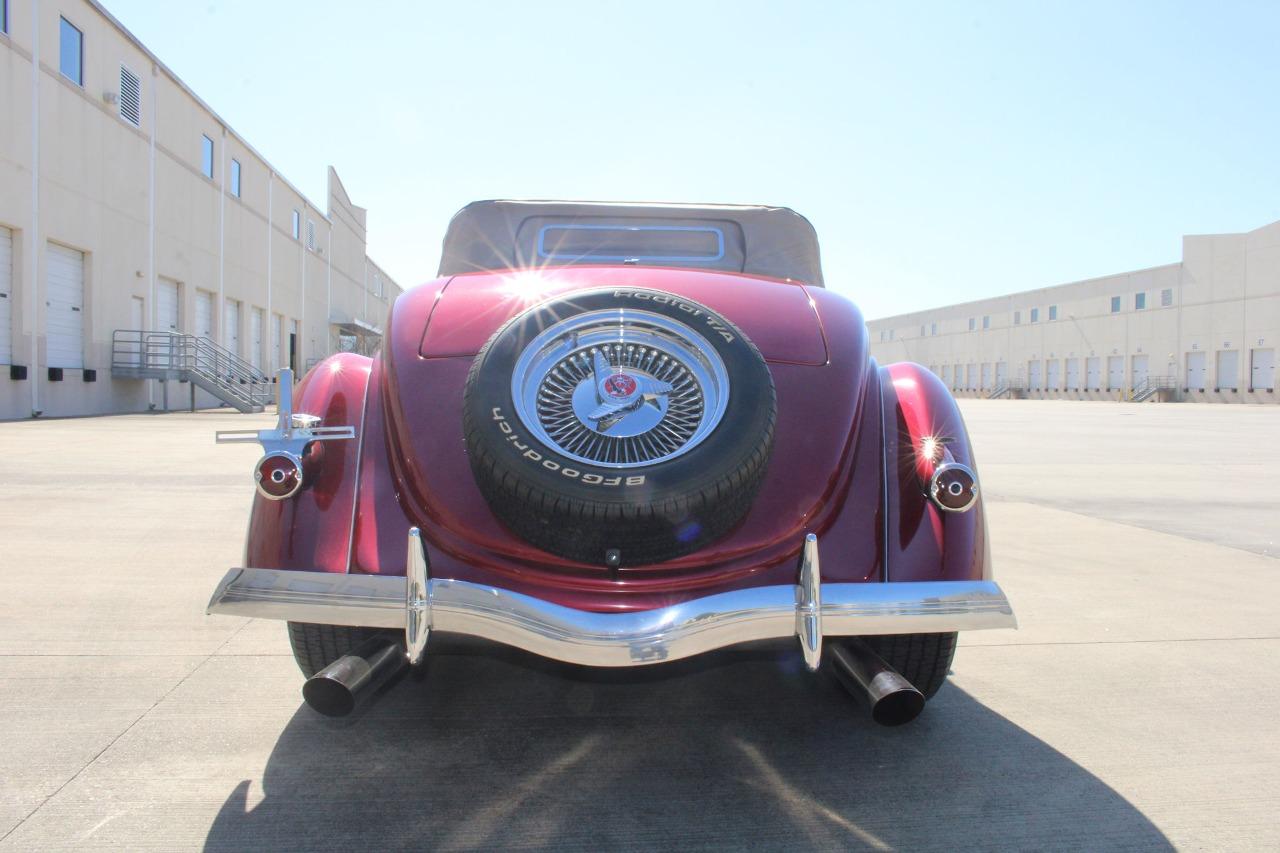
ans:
x=619 y=385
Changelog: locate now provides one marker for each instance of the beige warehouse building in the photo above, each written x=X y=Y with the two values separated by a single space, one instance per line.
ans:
x=127 y=206
x=1204 y=329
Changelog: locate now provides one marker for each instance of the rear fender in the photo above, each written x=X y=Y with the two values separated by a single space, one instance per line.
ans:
x=923 y=542
x=312 y=529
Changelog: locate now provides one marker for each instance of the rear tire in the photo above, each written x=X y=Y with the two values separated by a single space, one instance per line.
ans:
x=922 y=659
x=317 y=646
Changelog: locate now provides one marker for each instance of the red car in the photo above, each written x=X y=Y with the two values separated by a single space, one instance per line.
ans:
x=617 y=435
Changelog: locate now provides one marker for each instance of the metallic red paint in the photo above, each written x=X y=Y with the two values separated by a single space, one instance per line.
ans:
x=827 y=473
x=924 y=542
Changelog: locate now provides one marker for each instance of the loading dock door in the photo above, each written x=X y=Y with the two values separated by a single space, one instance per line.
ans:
x=1073 y=374
x=167 y=305
x=137 y=320
x=255 y=338
x=986 y=376
x=231 y=323
x=1195 y=371
x=1053 y=374
x=946 y=375
x=1115 y=372
x=1033 y=375
x=971 y=377
x=1093 y=369
x=1002 y=373
x=1263 y=373
x=204 y=314
x=64 y=323
x=1228 y=370
x=6 y=296
x=1139 y=371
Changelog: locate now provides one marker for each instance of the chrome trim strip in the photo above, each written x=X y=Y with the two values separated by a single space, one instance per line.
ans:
x=809 y=604
x=613 y=639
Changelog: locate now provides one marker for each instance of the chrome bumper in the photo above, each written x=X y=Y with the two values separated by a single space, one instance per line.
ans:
x=419 y=604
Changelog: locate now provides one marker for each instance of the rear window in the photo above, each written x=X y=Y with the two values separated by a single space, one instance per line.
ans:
x=641 y=243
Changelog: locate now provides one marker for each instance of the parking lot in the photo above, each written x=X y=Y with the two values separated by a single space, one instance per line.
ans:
x=1137 y=707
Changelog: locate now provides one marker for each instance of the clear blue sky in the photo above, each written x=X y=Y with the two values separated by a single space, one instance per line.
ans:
x=945 y=152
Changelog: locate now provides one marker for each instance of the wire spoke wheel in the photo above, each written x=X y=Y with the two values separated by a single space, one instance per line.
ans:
x=620 y=388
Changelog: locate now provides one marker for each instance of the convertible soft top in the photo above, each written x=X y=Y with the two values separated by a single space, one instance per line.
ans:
x=496 y=235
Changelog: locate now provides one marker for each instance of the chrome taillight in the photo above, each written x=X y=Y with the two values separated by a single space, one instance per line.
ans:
x=953 y=487
x=278 y=475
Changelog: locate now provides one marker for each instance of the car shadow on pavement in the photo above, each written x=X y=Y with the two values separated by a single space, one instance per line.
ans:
x=495 y=749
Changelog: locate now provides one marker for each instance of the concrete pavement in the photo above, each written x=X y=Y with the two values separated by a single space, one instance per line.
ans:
x=1136 y=708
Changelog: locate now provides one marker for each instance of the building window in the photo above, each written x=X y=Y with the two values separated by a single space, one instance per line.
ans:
x=1166 y=297
x=72 y=47
x=1139 y=301
x=973 y=324
x=1115 y=305
x=1035 y=315
x=377 y=285
x=1053 y=312
x=297 y=224
x=311 y=234
x=891 y=334
x=206 y=156
x=4 y=16
x=130 y=97
x=933 y=328
x=986 y=321
x=884 y=336
x=922 y=330
x=1017 y=318
x=235 y=177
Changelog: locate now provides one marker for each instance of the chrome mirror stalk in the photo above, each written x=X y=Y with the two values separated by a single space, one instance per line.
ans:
x=293 y=432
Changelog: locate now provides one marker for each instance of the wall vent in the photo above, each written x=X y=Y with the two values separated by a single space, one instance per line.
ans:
x=130 y=97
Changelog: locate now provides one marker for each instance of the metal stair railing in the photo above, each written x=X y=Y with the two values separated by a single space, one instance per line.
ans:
x=139 y=354
x=1009 y=386
x=1150 y=386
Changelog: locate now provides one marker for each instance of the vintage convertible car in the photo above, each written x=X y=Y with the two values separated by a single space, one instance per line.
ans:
x=617 y=435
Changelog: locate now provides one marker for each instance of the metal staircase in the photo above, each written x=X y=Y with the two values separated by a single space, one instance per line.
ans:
x=1165 y=386
x=1014 y=388
x=136 y=354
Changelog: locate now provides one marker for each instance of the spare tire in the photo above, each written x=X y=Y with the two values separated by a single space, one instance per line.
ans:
x=619 y=427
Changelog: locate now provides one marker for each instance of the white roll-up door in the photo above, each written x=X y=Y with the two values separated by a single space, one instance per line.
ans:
x=946 y=375
x=1115 y=372
x=1053 y=374
x=1033 y=375
x=1093 y=374
x=1228 y=370
x=64 y=308
x=1140 y=371
x=167 y=305
x=204 y=313
x=986 y=376
x=971 y=377
x=1073 y=374
x=6 y=296
x=1002 y=373
x=1195 y=371
x=231 y=323
x=255 y=338
x=276 y=363
x=1262 y=375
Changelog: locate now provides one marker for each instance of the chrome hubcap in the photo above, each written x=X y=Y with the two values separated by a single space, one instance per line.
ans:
x=620 y=388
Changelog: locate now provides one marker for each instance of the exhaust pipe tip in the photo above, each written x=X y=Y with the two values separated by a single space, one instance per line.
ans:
x=328 y=696
x=343 y=685
x=899 y=702
x=894 y=701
